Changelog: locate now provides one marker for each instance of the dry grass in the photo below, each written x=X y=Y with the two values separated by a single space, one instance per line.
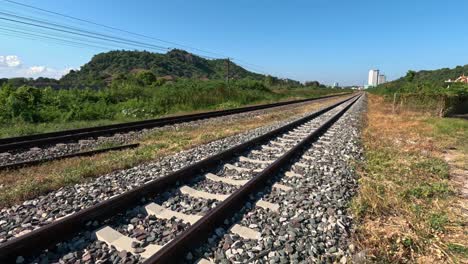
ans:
x=407 y=208
x=27 y=183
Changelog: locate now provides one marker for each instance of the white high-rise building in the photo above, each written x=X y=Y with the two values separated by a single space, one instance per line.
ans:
x=382 y=79
x=373 y=78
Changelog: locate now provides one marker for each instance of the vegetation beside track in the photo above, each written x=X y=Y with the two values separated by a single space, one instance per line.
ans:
x=409 y=207
x=27 y=183
x=27 y=110
x=427 y=91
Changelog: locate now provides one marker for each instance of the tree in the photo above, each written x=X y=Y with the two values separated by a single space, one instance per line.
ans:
x=23 y=103
x=410 y=76
x=146 y=77
x=314 y=84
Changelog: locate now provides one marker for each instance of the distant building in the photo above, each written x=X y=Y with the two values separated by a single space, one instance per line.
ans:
x=382 y=79
x=335 y=84
x=461 y=79
x=373 y=78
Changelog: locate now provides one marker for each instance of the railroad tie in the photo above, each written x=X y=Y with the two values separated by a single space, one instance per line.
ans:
x=245 y=159
x=307 y=157
x=258 y=152
x=221 y=197
x=121 y=242
x=271 y=148
x=304 y=129
x=216 y=178
x=293 y=174
x=300 y=164
x=294 y=137
x=278 y=144
x=204 y=261
x=240 y=169
x=288 y=140
x=266 y=205
x=302 y=134
x=201 y=194
x=163 y=213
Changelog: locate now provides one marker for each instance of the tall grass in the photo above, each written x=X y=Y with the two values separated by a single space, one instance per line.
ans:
x=432 y=98
x=27 y=110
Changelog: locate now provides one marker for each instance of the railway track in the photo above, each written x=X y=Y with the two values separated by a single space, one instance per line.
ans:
x=51 y=138
x=22 y=164
x=198 y=203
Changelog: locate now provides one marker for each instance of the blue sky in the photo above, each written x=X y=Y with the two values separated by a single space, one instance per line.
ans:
x=324 y=40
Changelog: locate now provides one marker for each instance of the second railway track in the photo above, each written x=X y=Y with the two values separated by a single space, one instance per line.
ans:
x=47 y=139
x=190 y=206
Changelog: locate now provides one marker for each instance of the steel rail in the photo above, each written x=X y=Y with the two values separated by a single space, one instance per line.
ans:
x=22 y=164
x=176 y=250
x=38 y=140
x=48 y=235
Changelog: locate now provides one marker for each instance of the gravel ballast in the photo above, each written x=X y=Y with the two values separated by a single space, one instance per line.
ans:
x=31 y=214
x=312 y=224
x=124 y=138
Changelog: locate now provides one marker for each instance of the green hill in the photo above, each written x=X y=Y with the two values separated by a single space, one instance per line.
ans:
x=437 y=77
x=427 y=81
x=428 y=91
x=175 y=63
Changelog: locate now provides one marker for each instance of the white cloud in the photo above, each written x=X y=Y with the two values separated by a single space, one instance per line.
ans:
x=10 y=61
x=11 y=66
x=44 y=71
x=37 y=69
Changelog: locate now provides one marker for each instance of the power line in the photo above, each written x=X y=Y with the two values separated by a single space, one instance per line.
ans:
x=2 y=32
x=77 y=31
x=55 y=27
x=114 y=28
x=52 y=38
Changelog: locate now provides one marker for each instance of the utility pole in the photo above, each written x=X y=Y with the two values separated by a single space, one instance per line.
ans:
x=228 y=60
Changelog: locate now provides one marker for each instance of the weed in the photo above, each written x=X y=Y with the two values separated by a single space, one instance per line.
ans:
x=459 y=249
x=404 y=205
x=437 y=221
x=434 y=166
x=426 y=190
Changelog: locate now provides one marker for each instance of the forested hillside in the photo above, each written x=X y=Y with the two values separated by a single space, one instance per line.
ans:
x=134 y=85
x=427 y=82
x=428 y=91
x=104 y=67
x=436 y=76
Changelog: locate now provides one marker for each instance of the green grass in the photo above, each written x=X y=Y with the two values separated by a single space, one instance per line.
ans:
x=406 y=207
x=453 y=132
x=427 y=191
x=458 y=249
x=438 y=221
x=434 y=166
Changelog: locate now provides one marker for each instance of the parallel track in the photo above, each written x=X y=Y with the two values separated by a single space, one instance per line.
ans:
x=46 y=236
x=46 y=139
x=22 y=164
